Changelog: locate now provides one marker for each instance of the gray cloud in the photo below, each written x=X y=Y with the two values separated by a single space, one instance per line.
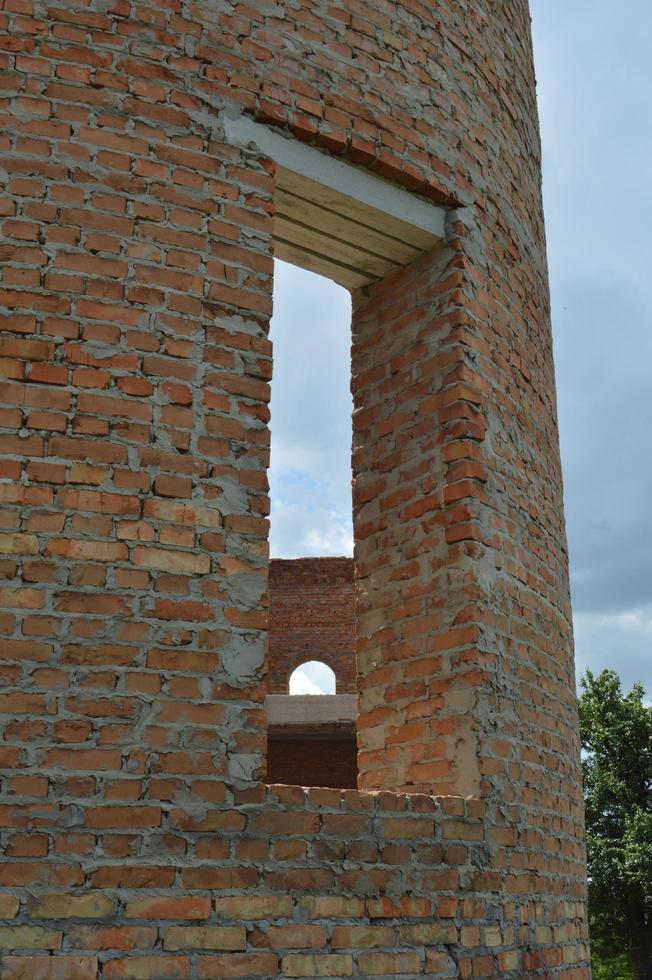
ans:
x=618 y=641
x=594 y=94
x=604 y=357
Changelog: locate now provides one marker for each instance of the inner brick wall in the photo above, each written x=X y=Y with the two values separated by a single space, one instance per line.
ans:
x=134 y=309
x=298 y=760
x=311 y=617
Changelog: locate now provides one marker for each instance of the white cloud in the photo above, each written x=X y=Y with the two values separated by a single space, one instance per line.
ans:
x=306 y=529
x=312 y=678
x=310 y=475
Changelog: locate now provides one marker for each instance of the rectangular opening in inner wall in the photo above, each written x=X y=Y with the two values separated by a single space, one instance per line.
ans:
x=311 y=660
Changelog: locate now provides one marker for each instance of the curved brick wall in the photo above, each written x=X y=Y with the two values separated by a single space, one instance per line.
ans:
x=134 y=305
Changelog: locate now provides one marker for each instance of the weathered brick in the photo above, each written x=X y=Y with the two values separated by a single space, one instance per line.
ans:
x=18 y=544
x=437 y=962
x=87 y=550
x=252 y=907
x=205 y=937
x=238 y=965
x=120 y=938
x=331 y=907
x=164 y=559
x=429 y=933
x=29 y=937
x=292 y=936
x=147 y=968
x=57 y=906
x=303 y=965
x=49 y=967
x=388 y=964
x=362 y=937
x=9 y=905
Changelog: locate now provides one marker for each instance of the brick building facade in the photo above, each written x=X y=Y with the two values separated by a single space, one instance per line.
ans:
x=139 y=228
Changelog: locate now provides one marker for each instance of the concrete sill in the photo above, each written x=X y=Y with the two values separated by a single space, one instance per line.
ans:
x=320 y=716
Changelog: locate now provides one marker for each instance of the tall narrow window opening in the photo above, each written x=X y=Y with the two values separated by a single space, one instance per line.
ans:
x=311 y=740
x=360 y=231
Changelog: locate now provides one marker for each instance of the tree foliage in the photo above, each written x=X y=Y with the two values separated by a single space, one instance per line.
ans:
x=616 y=732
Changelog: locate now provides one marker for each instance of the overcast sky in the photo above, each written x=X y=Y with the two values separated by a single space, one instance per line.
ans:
x=595 y=87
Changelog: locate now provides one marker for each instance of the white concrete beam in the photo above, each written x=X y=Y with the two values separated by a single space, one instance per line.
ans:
x=310 y=710
x=337 y=219
x=339 y=176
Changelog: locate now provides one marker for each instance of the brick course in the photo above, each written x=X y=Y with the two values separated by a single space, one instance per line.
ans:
x=136 y=291
x=282 y=882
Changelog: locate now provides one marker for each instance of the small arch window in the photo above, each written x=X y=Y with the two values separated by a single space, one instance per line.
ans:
x=313 y=677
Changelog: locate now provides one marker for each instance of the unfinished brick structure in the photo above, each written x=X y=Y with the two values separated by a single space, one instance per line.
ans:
x=140 y=218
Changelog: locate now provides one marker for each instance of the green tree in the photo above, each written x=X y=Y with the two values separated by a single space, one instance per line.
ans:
x=610 y=967
x=616 y=732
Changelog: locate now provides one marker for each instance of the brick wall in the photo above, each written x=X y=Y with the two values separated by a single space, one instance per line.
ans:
x=137 y=261
x=281 y=882
x=300 y=761
x=311 y=617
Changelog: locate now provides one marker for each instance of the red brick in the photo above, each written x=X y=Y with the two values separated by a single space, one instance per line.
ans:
x=49 y=374
x=126 y=817
x=169 y=908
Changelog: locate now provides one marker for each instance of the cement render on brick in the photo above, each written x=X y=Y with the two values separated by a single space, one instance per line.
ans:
x=134 y=308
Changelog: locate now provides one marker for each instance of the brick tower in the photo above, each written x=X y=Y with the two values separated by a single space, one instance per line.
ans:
x=155 y=156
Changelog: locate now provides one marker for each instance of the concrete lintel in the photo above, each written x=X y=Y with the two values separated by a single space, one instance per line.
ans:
x=302 y=711
x=339 y=176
